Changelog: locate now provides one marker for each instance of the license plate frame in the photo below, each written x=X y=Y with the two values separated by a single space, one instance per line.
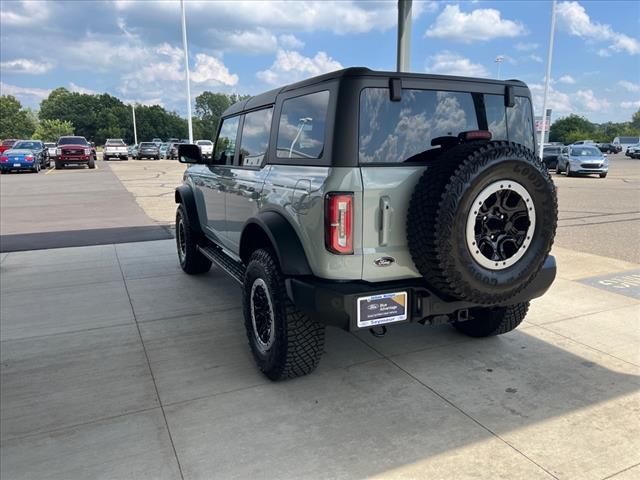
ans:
x=382 y=309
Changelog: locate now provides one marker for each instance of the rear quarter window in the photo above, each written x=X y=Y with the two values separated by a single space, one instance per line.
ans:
x=302 y=126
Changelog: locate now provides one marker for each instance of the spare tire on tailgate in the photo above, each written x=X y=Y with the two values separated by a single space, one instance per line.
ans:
x=481 y=221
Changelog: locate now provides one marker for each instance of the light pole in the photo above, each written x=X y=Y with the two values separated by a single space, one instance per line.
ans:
x=186 y=69
x=404 y=35
x=548 y=77
x=135 y=132
x=499 y=60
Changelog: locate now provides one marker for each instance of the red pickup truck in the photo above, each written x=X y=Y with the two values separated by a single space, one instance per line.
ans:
x=74 y=150
x=7 y=144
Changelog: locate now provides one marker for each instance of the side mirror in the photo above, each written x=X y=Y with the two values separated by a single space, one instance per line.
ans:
x=189 y=153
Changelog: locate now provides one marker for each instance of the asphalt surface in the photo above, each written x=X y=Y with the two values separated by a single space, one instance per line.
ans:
x=602 y=216
x=70 y=207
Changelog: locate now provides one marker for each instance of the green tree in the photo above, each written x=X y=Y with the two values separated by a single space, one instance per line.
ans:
x=15 y=121
x=51 y=130
x=563 y=128
x=635 y=121
x=209 y=109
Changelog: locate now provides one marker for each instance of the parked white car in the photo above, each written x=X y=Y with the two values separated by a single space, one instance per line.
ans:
x=206 y=148
x=115 y=148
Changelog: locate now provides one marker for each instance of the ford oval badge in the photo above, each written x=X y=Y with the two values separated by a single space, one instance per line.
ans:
x=384 y=261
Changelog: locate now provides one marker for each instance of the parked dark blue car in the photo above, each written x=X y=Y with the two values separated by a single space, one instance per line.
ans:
x=29 y=155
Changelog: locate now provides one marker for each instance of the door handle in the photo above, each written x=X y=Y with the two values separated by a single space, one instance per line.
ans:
x=385 y=220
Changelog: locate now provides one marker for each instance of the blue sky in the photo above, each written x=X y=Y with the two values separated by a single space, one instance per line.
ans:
x=133 y=49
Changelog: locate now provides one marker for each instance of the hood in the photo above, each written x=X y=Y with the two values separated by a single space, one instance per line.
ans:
x=74 y=146
x=587 y=157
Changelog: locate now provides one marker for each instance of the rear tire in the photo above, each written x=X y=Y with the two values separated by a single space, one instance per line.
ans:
x=285 y=342
x=192 y=261
x=488 y=322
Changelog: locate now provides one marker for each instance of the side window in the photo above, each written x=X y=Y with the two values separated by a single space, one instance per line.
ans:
x=226 y=143
x=302 y=126
x=519 y=123
x=255 y=137
x=496 y=116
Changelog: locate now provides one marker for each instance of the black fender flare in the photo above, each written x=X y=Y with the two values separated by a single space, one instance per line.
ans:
x=283 y=239
x=184 y=195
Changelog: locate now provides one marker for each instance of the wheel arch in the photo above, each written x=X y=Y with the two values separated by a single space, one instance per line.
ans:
x=272 y=230
x=184 y=195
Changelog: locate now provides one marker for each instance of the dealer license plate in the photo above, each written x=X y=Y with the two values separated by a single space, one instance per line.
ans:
x=380 y=309
x=17 y=164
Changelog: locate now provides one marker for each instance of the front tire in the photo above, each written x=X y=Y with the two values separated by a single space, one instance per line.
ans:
x=285 y=342
x=92 y=163
x=603 y=175
x=488 y=322
x=192 y=261
x=59 y=165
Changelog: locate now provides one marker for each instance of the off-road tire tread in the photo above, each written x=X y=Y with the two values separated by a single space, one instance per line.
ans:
x=433 y=207
x=304 y=336
x=495 y=322
x=195 y=262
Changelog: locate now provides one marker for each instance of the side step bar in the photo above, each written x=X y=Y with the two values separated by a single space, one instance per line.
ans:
x=217 y=256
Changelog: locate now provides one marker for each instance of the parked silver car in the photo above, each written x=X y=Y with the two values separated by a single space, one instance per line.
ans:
x=582 y=160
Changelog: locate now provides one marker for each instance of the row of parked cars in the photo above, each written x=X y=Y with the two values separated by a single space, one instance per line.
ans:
x=580 y=158
x=116 y=148
x=35 y=155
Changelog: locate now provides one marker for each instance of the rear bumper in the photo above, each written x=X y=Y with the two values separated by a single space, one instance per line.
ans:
x=335 y=303
x=5 y=167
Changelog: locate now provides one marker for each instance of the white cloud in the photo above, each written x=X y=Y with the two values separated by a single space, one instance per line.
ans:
x=557 y=101
x=256 y=41
x=526 y=47
x=77 y=88
x=451 y=63
x=24 y=94
x=535 y=58
x=211 y=71
x=635 y=104
x=630 y=86
x=573 y=18
x=290 y=42
x=567 y=79
x=291 y=66
x=24 y=13
x=24 y=65
x=479 y=25
x=590 y=102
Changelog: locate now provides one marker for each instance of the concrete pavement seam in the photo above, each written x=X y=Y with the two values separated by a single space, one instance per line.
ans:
x=153 y=378
x=621 y=471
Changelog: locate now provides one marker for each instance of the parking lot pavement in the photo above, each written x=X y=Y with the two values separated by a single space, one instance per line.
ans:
x=71 y=207
x=127 y=368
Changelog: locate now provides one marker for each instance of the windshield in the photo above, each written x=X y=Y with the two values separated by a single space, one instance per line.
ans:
x=49 y=144
x=147 y=144
x=8 y=143
x=27 y=145
x=585 y=152
x=72 y=141
x=204 y=142
x=118 y=142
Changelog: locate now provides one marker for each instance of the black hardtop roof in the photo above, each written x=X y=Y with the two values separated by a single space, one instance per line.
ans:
x=268 y=98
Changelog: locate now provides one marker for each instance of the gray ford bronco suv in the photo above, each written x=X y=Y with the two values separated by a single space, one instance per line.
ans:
x=366 y=199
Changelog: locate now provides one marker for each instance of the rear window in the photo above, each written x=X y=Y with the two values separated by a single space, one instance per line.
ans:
x=551 y=151
x=72 y=141
x=148 y=144
x=424 y=122
x=302 y=126
x=8 y=143
x=118 y=142
x=27 y=145
x=204 y=142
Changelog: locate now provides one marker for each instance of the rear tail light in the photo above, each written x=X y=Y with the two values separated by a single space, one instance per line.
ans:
x=4 y=159
x=338 y=216
x=29 y=158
